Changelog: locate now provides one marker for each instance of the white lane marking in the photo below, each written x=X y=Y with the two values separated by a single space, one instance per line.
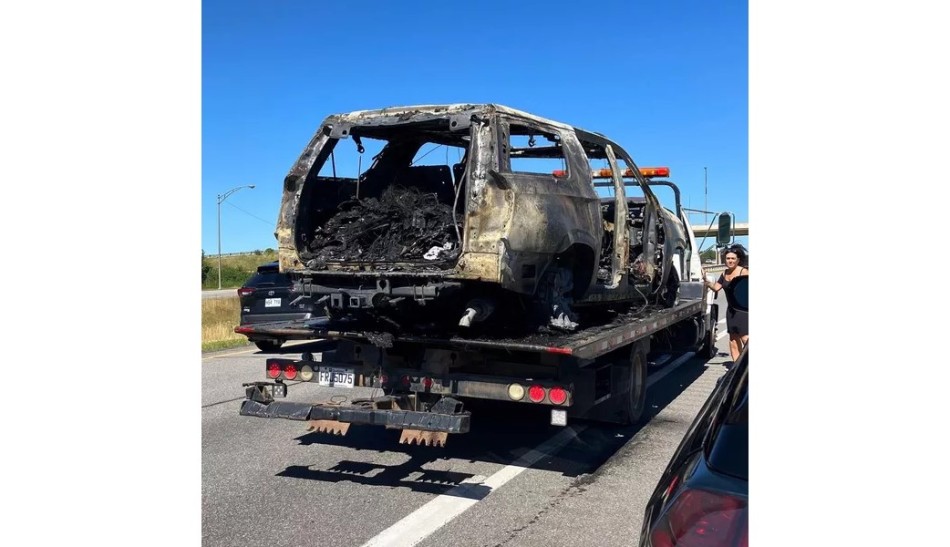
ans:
x=441 y=510
x=231 y=354
x=723 y=320
x=722 y=335
x=289 y=344
x=438 y=512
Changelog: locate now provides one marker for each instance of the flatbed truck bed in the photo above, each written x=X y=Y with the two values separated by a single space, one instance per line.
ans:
x=598 y=372
x=584 y=343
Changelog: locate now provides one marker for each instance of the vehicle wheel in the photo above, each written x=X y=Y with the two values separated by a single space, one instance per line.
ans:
x=709 y=350
x=268 y=345
x=634 y=404
x=554 y=292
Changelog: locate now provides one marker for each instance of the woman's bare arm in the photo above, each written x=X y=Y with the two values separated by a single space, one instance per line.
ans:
x=714 y=286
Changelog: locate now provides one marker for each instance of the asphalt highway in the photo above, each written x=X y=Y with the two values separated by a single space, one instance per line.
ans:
x=513 y=480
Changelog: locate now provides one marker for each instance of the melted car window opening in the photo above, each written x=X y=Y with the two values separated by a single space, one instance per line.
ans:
x=527 y=155
x=418 y=170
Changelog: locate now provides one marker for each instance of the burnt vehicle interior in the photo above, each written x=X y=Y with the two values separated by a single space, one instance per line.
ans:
x=634 y=219
x=394 y=198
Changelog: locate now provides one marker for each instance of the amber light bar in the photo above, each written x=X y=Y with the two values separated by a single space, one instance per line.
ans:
x=645 y=172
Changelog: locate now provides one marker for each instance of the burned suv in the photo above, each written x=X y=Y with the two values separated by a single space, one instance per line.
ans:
x=469 y=216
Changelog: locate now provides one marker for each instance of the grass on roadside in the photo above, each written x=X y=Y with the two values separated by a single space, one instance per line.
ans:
x=219 y=316
x=234 y=269
x=248 y=262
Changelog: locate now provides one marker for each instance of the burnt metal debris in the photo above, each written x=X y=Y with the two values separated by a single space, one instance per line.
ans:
x=380 y=339
x=402 y=225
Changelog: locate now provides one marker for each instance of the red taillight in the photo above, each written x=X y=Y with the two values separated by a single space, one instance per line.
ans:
x=427 y=383
x=699 y=518
x=536 y=394
x=557 y=395
x=273 y=370
x=290 y=371
x=245 y=291
x=406 y=381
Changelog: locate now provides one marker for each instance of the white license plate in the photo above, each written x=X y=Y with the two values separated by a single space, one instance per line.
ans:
x=272 y=302
x=336 y=377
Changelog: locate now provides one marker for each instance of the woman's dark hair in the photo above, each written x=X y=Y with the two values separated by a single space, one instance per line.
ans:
x=740 y=253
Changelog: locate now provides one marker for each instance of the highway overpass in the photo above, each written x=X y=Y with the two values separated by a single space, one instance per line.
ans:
x=740 y=229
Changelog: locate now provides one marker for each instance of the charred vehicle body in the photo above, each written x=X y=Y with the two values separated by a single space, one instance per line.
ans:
x=473 y=217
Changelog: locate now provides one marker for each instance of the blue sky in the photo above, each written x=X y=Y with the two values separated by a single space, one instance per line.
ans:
x=666 y=79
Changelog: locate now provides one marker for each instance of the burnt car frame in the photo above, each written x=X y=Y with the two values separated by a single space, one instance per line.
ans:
x=512 y=233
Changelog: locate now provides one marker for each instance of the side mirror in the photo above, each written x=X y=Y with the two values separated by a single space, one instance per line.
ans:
x=740 y=293
x=724 y=235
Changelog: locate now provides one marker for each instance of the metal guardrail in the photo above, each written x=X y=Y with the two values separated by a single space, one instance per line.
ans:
x=245 y=253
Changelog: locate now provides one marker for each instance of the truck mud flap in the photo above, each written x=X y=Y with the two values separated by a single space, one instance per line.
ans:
x=323 y=415
x=332 y=427
x=423 y=438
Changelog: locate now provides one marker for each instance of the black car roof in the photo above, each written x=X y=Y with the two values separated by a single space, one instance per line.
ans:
x=269 y=267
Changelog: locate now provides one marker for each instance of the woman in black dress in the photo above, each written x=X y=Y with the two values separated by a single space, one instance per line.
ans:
x=737 y=321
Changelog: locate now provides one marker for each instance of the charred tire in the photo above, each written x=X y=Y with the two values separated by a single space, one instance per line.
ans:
x=669 y=293
x=635 y=401
x=708 y=350
x=554 y=298
x=268 y=345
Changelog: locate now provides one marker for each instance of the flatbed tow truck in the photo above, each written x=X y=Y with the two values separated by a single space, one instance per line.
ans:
x=599 y=373
x=420 y=383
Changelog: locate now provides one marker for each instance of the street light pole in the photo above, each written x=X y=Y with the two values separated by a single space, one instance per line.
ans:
x=221 y=198
x=705 y=194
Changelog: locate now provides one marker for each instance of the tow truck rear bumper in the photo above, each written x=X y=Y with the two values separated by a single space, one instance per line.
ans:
x=401 y=419
x=445 y=416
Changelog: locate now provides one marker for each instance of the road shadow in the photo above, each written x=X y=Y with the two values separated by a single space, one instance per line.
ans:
x=407 y=475
x=610 y=438
x=501 y=433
